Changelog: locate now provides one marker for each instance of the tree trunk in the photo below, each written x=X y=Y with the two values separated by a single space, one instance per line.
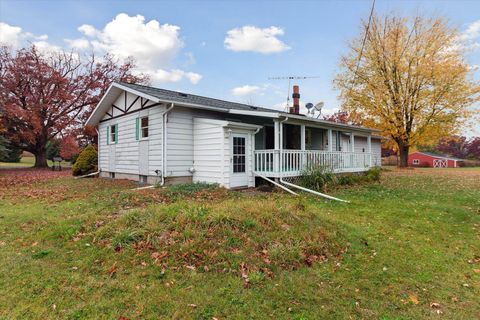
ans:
x=41 y=158
x=403 y=150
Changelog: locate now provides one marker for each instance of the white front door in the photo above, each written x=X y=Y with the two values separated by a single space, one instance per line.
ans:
x=240 y=157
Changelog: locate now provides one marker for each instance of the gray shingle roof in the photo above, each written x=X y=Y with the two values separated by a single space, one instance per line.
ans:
x=180 y=97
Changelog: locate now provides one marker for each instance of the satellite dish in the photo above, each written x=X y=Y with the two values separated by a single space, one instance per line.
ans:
x=319 y=106
x=309 y=105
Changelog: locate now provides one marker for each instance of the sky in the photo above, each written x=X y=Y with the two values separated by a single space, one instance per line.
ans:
x=224 y=49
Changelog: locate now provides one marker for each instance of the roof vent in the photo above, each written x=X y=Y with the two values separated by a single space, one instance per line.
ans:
x=183 y=94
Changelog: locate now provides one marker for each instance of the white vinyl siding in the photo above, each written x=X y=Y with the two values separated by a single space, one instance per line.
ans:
x=207 y=152
x=180 y=139
x=126 y=151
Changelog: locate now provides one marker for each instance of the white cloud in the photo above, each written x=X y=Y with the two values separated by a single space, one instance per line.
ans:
x=469 y=39
x=15 y=37
x=472 y=32
x=245 y=90
x=154 y=46
x=87 y=30
x=78 y=44
x=175 y=75
x=251 y=38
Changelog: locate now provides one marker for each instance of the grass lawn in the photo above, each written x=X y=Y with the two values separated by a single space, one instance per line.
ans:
x=28 y=162
x=405 y=248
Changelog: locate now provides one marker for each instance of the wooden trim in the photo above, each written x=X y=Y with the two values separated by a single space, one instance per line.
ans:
x=143 y=103
x=114 y=106
x=131 y=104
x=130 y=112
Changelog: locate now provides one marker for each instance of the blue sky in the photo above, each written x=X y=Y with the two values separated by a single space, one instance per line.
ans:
x=304 y=38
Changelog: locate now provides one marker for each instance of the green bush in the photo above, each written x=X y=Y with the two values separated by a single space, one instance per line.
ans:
x=318 y=178
x=373 y=174
x=74 y=158
x=86 y=162
x=9 y=152
x=322 y=178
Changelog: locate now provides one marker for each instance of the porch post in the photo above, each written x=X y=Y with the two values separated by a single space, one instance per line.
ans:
x=330 y=140
x=369 y=149
x=352 y=142
x=302 y=137
x=303 y=156
x=276 y=140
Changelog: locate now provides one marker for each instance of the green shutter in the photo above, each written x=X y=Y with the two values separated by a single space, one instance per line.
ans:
x=116 y=133
x=108 y=134
x=137 y=120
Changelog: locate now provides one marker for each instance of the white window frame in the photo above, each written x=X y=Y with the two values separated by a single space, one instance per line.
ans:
x=416 y=161
x=113 y=132
x=141 y=128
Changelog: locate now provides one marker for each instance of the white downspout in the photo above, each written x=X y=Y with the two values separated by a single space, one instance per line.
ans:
x=164 y=142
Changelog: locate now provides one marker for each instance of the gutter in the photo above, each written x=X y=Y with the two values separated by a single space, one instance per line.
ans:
x=164 y=142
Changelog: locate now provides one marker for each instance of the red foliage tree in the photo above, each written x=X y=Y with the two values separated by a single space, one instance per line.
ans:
x=453 y=146
x=473 y=148
x=69 y=147
x=341 y=117
x=45 y=94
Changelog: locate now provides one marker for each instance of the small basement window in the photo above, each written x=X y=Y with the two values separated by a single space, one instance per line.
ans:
x=416 y=161
x=112 y=175
x=144 y=127
x=142 y=179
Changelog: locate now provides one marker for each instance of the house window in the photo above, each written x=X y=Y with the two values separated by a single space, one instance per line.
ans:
x=114 y=133
x=111 y=175
x=416 y=161
x=143 y=179
x=144 y=127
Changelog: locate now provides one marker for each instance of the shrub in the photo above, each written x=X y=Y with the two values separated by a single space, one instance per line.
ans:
x=318 y=178
x=74 y=158
x=373 y=174
x=86 y=162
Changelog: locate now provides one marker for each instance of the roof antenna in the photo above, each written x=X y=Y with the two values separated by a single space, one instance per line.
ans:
x=290 y=78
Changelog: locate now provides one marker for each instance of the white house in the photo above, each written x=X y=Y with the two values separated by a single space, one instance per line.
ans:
x=154 y=135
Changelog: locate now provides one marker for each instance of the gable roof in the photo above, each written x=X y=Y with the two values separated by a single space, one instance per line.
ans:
x=180 y=97
x=437 y=155
x=194 y=101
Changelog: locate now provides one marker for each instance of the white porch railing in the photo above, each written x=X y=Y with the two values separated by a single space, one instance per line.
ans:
x=294 y=162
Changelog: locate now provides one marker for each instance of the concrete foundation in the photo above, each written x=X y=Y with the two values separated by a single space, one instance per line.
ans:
x=150 y=179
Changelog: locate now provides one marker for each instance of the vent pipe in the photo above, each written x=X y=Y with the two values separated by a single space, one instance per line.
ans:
x=296 y=100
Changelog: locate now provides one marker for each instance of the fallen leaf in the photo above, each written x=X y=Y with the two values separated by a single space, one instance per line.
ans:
x=113 y=270
x=413 y=299
x=192 y=305
x=434 y=305
x=476 y=270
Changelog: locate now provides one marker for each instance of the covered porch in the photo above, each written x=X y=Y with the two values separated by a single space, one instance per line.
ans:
x=287 y=149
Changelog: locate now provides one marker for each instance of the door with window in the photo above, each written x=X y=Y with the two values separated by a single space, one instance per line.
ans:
x=239 y=160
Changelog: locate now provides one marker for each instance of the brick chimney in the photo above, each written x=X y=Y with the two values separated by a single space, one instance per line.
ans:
x=296 y=100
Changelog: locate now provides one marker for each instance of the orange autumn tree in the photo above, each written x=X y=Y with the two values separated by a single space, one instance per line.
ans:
x=408 y=78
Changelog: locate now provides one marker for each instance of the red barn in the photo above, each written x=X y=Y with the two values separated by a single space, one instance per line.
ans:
x=428 y=159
